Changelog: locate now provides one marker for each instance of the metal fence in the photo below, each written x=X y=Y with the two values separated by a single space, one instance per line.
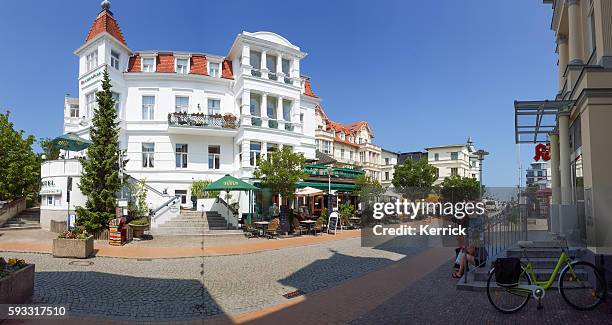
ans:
x=492 y=234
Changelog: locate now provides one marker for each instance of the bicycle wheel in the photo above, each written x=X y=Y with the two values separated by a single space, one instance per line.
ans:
x=508 y=299
x=582 y=286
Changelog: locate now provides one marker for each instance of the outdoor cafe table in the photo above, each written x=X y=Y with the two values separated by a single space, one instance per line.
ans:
x=308 y=223
x=263 y=225
x=355 y=220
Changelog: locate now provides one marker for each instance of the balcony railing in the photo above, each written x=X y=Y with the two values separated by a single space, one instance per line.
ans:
x=272 y=76
x=273 y=124
x=256 y=121
x=321 y=171
x=256 y=72
x=289 y=126
x=288 y=80
x=227 y=121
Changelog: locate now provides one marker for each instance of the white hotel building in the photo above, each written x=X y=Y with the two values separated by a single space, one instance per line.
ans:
x=187 y=116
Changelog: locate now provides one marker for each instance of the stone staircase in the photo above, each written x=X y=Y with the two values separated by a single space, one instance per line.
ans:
x=27 y=219
x=543 y=258
x=195 y=223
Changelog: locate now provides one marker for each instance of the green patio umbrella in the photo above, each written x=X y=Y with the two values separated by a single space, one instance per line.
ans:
x=70 y=142
x=230 y=183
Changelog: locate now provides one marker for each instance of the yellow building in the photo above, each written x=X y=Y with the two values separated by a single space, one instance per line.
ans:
x=577 y=123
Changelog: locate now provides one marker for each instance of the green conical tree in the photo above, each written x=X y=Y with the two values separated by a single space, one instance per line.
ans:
x=100 y=180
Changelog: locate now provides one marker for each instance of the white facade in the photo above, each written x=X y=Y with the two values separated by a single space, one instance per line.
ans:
x=350 y=145
x=388 y=161
x=539 y=174
x=231 y=109
x=453 y=160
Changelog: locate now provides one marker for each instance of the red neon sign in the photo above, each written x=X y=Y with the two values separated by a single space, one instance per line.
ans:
x=542 y=151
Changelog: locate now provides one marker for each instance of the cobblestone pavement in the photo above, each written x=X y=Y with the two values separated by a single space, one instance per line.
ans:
x=434 y=300
x=172 y=289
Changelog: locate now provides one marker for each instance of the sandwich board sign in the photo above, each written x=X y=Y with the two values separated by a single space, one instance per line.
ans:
x=332 y=222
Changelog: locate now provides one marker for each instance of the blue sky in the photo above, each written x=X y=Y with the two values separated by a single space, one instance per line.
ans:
x=423 y=73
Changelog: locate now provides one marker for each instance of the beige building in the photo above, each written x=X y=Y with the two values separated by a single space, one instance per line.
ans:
x=350 y=145
x=453 y=160
x=577 y=123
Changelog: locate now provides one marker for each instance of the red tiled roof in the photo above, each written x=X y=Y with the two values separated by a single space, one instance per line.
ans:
x=347 y=129
x=134 y=63
x=198 y=65
x=105 y=22
x=308 y=89
x=226 y=71
x=165 y=62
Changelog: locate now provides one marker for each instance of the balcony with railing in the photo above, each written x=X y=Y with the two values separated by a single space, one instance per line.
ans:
x=186 y=122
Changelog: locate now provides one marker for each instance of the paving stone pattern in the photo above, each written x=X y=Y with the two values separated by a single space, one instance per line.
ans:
x=172 y=289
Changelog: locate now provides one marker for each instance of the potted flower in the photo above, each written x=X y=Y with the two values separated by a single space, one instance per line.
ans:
x=75 y=243
x=141 y=222
x=16 y=281
x=139 y=226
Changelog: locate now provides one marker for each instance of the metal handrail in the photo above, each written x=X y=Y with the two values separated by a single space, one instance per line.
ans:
x=499 y=233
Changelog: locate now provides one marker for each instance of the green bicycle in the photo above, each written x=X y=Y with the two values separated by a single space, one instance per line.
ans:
x=581 y=285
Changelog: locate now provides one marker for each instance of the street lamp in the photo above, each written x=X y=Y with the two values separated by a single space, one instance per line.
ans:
x=329 y=198
x=480 y=154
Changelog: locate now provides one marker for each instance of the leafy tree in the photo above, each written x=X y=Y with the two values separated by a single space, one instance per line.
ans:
x=459 y=189
x=414 y=179
x=49 y=149
x=368 y=189
x=100 y=181
x=198 y=190
x=19 y=165
x=281 y=171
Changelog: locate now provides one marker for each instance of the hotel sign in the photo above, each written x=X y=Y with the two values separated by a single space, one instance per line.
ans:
x=51 y=191
x=91 y=77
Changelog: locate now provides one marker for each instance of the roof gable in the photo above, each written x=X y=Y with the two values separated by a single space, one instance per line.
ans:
x=105 y=22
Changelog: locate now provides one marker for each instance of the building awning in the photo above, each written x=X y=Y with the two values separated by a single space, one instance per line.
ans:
x=325 y=186
x=534 y=120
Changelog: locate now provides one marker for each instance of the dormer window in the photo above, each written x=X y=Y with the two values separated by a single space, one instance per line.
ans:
x=182 y=66
x=148 y=65
x=214 y=69
x=114 y=61
x=92 y=60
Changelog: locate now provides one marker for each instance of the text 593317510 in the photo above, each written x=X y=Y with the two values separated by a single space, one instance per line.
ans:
x=32 y=311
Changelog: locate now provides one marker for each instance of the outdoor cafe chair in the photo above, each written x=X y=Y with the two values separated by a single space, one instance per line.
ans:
x=297 y=227
x=272 y=231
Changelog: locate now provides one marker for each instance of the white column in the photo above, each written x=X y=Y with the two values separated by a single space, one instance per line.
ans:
x=263 y=110
x=279 y=108
x=575 y=39
x=563 y=58
x=279 y=65
x=246 y=102
x=246 y=152
x=564 y=159
x=295 y=71
x=264 y=69
x=554 y=168
x=246 y=59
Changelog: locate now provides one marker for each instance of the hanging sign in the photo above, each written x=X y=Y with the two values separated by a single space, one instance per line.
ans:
x=542 y=151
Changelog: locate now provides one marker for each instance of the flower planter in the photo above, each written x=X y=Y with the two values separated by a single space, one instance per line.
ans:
x=74 y=248
x=17 y=287
x=138 y=230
